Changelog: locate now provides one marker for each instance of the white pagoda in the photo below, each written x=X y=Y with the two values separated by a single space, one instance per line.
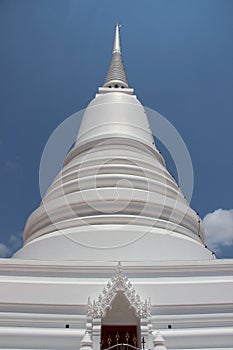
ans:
x=114 y=257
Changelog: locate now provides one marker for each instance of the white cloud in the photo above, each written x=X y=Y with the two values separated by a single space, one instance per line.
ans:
x=14 y=243
x=219 y=229
x=4 y=251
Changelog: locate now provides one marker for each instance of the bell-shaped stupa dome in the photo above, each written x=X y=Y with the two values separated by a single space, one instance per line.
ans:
x=114 y=198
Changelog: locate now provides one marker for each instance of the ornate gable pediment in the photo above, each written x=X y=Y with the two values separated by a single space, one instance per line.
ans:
x=118 y=283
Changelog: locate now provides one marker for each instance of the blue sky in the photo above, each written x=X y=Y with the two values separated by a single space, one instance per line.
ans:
x=178 y=56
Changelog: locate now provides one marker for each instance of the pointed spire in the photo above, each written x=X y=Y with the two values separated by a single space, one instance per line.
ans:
x=159 y=342
x=117 y=45
x=86 y=342
x=116 y=77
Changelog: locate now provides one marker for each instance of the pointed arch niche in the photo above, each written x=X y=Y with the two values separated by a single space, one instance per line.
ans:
x=118 y=310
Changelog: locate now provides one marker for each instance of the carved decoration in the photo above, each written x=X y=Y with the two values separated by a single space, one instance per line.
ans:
x=118 y=283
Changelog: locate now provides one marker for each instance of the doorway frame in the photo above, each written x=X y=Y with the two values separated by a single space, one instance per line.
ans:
x=97 y=309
